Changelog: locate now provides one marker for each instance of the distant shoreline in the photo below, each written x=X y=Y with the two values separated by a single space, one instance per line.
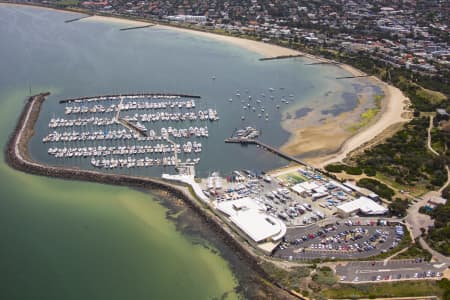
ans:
x=393 y=105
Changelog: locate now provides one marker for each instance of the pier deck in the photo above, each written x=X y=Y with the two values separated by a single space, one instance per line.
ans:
x=323 y=63
x=281 y=57
x=136 y=27
x=246 y=141
x=350 y=77
x=77 y=19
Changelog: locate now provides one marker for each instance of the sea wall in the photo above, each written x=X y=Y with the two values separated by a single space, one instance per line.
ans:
x=131 y=95
x=17 y=156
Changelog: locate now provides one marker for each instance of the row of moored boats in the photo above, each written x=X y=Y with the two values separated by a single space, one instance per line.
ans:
x=123 y=134
x=98 y=108
x=114 y=163
x=69 y=152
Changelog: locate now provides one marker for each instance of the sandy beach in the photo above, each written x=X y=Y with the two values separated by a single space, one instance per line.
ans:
x=125 y=22
x=394 y=110
x=325 y=138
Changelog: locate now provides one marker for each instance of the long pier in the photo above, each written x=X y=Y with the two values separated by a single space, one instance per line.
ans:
x=149 y=95
x=350 y=77
x=323 y=63
x=136 y=27
x=77 y=19
x=281 y=57
x=245 y=141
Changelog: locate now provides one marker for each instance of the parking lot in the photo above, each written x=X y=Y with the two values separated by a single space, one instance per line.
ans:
x=276 y=194
x=404 y=269
x=343 y=239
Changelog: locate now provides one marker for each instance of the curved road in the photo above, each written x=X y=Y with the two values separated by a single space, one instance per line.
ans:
x=416 y=220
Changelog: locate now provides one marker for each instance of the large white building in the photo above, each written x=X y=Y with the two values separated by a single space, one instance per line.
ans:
x=251 y=218
x=361 y=205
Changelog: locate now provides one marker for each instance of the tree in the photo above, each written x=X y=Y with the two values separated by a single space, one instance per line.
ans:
x=398 y=207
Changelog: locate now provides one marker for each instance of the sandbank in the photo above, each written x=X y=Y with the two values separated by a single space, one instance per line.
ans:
x=394 y=110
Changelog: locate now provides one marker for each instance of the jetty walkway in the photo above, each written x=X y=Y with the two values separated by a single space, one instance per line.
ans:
x=281 y=57
x=246 y=141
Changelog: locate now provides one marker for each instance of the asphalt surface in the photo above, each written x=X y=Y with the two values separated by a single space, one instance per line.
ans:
x=374 y=271
x=341 y=242
x=280 y=206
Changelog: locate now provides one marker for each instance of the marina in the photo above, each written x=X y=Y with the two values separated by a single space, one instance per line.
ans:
x=109 y=140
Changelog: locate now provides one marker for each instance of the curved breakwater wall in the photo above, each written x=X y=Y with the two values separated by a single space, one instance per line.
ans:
x=17 y=157
x=150 y=95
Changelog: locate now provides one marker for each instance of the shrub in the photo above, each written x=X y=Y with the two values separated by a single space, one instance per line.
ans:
x=334 y=168
x=377 y=187
x=353 y=170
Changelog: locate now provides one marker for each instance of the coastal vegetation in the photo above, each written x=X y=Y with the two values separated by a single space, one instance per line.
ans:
x=377 y=187
x=398 y=207
x=439 y=235
x=290 y=279
x=338 y=168
x=324 y=276
x=405 y=159
x=415 y=251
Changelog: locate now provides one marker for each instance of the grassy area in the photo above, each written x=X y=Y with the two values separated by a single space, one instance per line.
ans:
x=391 y=289
x=289 y=279
x=433 y=97
x=324 y=276
x=416 y=190
x=293 y=177
x=414 y=251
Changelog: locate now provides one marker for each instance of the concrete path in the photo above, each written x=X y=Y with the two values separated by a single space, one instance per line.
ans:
x=429 y=137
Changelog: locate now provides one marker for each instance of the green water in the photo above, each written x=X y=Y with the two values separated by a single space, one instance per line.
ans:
x=73 y=240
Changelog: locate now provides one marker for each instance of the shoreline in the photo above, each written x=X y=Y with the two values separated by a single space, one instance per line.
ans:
x=392 y=105
x=17 y=157
x=392 y=112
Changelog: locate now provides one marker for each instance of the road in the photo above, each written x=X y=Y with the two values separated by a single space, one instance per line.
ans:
x=403 y=269
x=416 y=220
x=429 y=137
